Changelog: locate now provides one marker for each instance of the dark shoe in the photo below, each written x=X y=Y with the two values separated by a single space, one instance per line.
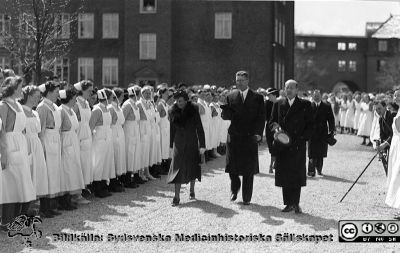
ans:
x=288 y=208
x=246 y=203
x=233 y=196
x=311 y=174
x=175 y=201
x=192 y=196
x=86 y=193
x=132 y=185
x=369 y=144
x=54 y=212
x=320 y=173
x=297 y=209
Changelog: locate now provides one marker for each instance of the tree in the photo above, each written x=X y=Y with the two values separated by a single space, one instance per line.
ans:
x=307 y=72
x=38 y=32
x=389 y=74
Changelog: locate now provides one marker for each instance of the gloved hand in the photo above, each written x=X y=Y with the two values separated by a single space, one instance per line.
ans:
x=202 y=150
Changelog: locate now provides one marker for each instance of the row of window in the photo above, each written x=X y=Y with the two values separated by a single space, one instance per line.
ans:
x=85 y=69
x=223 y=26
x=343 y=66
x=341 y=46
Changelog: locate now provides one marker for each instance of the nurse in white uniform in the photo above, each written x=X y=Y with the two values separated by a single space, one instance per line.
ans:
x=164 y=124
x=50 y=121
x=145 y=132
x=118 y=137
x=102 y=149
x=132 y=139
x=83 y=113
x=30 y=99
x=17 y=187
x=72 y=181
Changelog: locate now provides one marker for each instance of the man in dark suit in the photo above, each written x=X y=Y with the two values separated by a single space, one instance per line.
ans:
x=292 y=115
x=385 y=129
x=272 y=94
x=246 y=111
x=324 y=124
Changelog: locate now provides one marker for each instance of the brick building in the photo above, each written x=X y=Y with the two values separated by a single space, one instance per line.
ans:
x=117 y=42
x=355 y=63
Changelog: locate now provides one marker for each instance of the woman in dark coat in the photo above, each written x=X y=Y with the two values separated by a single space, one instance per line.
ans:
x=187 y=136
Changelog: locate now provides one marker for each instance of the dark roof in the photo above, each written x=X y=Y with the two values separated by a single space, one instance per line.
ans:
x=388 y=29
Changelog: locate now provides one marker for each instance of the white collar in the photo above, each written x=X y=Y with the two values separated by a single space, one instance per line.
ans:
x=291 y=101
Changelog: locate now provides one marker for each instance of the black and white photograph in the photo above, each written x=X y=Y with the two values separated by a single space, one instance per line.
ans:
x=199 y=126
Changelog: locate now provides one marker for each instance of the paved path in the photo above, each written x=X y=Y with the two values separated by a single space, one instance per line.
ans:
x=147 y=210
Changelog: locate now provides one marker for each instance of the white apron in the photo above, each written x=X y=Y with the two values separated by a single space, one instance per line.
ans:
x=51 y=142
x=145 y=132
x=164 y=133
x=17 y=186
x=357 y=115
x=343 y=111
x=71 y=171
x=206 y=121
x=132 y=141
x=349 y=118
x=214 y=127
x=156 y=137
x=393 y=178
x=118 y=137
x=85 y=138
x=103 y=150
x=36 y=156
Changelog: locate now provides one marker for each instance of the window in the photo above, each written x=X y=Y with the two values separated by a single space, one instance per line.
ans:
x=110 y=72
x=223 y=25
x=341 y=66
x=147 y=46
x=352 y=66
x=380 y=65
x=148 y=6
x=276 y=30
x=62 y=23
x=86 y=26
x=283 y=34
x=300 y=44
x=352 y=46
x=311 y=44
x=341 y=46
x=382 y=45
x=110 y=26
x=61 y=69
x=85 y=68
x=5 y=24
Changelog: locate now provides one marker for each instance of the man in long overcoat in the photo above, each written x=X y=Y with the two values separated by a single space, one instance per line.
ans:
x=246 y=111
x=324 y=124
x=293 y=115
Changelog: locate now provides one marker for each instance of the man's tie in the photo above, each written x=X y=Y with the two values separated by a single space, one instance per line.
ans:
x=241 y=96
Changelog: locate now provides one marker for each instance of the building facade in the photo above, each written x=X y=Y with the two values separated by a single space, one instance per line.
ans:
x=118 y=42
x=331 y=63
